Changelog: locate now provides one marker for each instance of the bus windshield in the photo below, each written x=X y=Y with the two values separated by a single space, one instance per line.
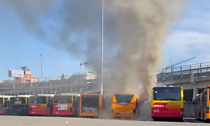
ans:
x=17 y=101
x=123 y=99
x=38 y=100
x=167 y=93
x=1 y=101
x=63 y=99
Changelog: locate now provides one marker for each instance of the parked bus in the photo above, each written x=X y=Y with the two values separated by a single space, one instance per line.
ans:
x=202 y=105
x=124 y=105
x=65 y=105
x=19 y=105
x=167 y=103
x=40 y=104
x=4 y=104
x=90 y=105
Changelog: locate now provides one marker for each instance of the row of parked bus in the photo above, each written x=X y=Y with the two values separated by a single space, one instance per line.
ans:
x=166 y=102
x=83 y=105
x=51 y=105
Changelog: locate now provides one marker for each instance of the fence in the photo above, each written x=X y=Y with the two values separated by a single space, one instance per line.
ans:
x=201 y=70
x=74 y=84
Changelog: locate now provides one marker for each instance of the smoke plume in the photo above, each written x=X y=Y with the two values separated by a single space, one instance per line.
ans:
x=134 y=32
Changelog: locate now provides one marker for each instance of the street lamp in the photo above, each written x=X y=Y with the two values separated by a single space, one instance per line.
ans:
x=102 y=44
x=41 y=66
x=86 y=67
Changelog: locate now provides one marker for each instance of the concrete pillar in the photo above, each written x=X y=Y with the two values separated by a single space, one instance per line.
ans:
x=195 y=91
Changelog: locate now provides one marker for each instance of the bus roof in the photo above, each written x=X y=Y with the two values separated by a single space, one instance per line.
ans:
x=67 y=94
x=23 y=96
x=90 y=94
x=166 y=87
x=124 y=94
x=5 y=96
x=50 y=95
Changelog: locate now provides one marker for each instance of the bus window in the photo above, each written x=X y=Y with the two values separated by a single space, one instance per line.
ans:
x=38 y=100
x=62 y=99
x=123 y=99
x=167 y=94
x=17 y=101
x=1 y=101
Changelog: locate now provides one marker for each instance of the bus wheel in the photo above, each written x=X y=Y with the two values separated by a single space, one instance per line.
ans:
x=155 y=119
x=180 y=119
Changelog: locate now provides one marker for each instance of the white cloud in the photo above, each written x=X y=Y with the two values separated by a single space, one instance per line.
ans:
x=182 y=45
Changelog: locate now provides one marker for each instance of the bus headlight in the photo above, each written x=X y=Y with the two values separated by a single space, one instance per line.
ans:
x=156 y=111
x=114 y=105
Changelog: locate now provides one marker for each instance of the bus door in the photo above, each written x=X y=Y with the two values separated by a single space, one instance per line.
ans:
x=2 y=105
x=76 y=108
x=208 y=104
x=90 y=105
x=62 y=105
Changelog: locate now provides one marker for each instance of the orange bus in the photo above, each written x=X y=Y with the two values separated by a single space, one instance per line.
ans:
x=167 y=103
x=4 y=104
x=40 y=104
x=124 y=105
x=202 y=105
x=90 y=105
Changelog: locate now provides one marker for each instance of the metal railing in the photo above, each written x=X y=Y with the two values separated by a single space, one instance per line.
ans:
x=73 y=84
x=189 y=72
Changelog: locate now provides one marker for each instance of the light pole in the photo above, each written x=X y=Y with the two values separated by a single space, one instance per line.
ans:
x=86 y=67
x=41 y=66
x=102 y=45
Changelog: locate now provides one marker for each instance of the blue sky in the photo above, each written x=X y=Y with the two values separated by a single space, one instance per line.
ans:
x=190 y=35
x=187 y=37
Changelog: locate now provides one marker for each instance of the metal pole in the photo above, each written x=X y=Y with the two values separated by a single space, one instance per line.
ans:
x=102 y=43
x=41 y=66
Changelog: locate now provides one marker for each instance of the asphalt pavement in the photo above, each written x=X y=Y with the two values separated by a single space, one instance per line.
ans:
x=67 y=121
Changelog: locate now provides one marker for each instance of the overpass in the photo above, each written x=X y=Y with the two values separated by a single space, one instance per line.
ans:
x=193 y=78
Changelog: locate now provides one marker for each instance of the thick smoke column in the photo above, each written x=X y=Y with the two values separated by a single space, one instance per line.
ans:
x=141 y=27
x=134 y=34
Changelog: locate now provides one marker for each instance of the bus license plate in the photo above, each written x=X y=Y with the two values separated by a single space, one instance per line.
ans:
x=62 y=107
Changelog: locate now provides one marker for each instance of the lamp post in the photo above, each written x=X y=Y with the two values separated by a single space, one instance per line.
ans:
x=41 y=66
x=86 y=67
x=102 y=45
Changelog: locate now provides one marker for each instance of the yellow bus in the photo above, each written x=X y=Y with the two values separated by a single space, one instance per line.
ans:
x=4 y=102
x=66 y=104
x=202 y=105
x=124 y=105
x=167 y=103
x=40 y=104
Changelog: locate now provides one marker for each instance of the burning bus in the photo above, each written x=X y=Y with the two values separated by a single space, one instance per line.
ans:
x=124 y=105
